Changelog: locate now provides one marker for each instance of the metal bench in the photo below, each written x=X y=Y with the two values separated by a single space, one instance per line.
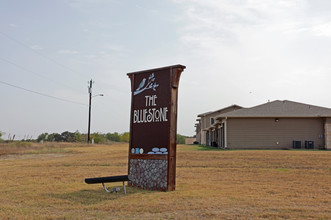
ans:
x=108 y=179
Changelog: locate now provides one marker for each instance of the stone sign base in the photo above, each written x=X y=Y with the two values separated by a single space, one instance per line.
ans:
x=149 y=174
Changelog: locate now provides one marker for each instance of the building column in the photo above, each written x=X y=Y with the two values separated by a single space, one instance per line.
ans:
x=203 y=137
x=219 y=141
x=222 y=136
x=327 y=129
x=225 y=134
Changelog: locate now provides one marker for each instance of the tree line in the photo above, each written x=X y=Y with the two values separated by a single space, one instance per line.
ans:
x=76 y=136
x=98 y=138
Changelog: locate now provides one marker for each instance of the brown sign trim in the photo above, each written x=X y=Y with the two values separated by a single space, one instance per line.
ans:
x=175 y=72
x=149 y=157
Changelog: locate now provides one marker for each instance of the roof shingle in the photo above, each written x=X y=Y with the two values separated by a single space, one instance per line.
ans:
x=279 y=109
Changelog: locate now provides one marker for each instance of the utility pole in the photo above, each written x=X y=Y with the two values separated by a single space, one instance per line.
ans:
x=89 y=112
x=89 y=109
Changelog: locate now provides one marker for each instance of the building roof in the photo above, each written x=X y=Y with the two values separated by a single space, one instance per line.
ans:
x=279 y=109
x=219 y=110
x=204 y=114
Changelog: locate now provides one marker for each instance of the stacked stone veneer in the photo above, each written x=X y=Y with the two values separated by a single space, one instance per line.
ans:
x=148 y=174
x=328 y=134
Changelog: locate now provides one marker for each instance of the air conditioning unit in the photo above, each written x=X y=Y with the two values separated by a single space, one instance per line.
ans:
x=296 y=144
x=309 y=144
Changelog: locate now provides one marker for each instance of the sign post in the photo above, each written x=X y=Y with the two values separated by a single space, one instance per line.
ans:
x=153 y=128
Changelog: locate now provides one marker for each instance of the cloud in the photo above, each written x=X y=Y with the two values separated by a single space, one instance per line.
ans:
x=12 y=25
x=223 y=21
x=114 y=47
x=251 y=45
x=323 y=29
x=251 y=28
x=91 y=56
x=315 y=29
x=36 y=47
x=65 y=51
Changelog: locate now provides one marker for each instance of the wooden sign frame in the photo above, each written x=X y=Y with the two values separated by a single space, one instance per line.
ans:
x=153 y=128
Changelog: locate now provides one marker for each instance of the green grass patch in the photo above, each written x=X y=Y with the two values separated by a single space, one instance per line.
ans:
x=198 y=147
x=283 y=169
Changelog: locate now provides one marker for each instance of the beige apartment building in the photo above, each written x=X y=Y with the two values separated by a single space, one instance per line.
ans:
x=273 y=125
x=206 y=120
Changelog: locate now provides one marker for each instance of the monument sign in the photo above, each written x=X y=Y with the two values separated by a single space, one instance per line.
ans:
x=153 y=128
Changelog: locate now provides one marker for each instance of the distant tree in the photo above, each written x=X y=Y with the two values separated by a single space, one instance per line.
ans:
x=83 y=138
x=78 y=137
x=113 y=136
x=98 y=138
x=181 y=139
x=68 y=136
x=42 y=137
x=125 y=137
x=1 y=133
x=50 y=137
x=58 y=137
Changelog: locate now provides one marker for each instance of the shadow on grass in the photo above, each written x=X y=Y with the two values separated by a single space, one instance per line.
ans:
x=207 y=148
x=90 y=197
x=199 y=147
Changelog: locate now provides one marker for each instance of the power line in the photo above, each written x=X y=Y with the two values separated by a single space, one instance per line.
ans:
x=38 y=53
x=30 y=71
x=42 y=94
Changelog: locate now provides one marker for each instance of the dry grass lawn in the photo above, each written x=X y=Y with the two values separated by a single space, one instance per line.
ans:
x=47 y=182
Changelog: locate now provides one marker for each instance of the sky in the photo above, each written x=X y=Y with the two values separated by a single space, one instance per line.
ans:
x=242 y=52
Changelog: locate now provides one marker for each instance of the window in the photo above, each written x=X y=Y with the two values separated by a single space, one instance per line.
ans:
x=212 y=121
